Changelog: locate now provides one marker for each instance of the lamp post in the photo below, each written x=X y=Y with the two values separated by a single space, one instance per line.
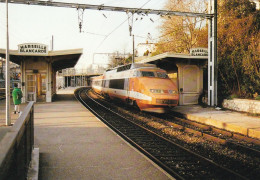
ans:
x=7 y=74
x=133 y=58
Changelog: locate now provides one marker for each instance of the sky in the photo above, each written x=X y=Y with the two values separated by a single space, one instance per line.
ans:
x=102 y=31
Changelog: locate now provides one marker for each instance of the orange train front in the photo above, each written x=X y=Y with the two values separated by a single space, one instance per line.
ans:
x=143 y=85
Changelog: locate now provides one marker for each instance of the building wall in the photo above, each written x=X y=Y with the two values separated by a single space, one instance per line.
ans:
x=35 y=63
x=143 y=47
x=41 y=71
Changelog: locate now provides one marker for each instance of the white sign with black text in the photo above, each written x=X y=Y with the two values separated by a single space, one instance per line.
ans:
x=33 y=49
x=199 y=52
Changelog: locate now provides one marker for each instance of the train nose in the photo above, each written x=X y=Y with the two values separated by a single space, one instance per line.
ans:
x=166 y=101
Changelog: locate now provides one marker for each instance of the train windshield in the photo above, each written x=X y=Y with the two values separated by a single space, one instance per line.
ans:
x=162 y=75
x=148 y=74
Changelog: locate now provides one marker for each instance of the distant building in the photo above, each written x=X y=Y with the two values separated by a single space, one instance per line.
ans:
x=38 y=67
x=15 y=71
x=145 y=49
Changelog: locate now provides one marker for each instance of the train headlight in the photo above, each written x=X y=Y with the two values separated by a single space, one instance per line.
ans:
x=157 y=91
x=172 y=92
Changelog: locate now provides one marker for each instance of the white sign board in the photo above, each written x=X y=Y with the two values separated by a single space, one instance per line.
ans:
x=199 y=52
x=33 y=49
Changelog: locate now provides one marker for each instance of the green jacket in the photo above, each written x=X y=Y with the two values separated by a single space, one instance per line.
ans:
x=17 y=96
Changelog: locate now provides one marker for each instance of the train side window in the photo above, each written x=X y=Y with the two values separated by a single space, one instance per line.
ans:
x=126 y=84
x=99 y=83
x=162 y=75
x=137 y=74
x=148 y=74
x=117 y=83
x=107 y=83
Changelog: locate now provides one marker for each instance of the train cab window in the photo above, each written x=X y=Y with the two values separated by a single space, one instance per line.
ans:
x=148 y=74
x=162 y=75
x=106 y=83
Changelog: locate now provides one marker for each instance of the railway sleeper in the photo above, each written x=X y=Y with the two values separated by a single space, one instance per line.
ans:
x=245 y=149
x=214 y=138
x=193 y=123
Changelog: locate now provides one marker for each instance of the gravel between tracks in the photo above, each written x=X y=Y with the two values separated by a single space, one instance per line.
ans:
x=230 y=158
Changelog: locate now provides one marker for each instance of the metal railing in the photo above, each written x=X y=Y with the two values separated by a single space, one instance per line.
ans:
x=17 y=145
x=81 y=72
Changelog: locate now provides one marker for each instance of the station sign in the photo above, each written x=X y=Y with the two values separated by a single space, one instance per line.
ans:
x=199 y=52
x=33 y=49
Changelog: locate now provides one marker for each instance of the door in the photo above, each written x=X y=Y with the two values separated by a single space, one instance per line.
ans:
x=31 y=87
x=43 y=84
x=189 y=84
x=41 y=87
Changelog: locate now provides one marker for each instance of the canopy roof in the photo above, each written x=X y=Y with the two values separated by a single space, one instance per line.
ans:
x=60 y=59
x=168 y=60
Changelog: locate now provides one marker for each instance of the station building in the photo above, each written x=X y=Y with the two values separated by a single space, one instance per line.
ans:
x=185 y=70
x=38 y=68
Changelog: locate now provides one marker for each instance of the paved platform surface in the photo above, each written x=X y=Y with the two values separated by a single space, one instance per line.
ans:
x=13 y=116
x=3 y=128
x=74 y=144
x=233 y=121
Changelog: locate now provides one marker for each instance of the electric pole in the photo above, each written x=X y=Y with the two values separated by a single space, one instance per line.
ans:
x=7 y=74
x=133 y=58
x=212 y=59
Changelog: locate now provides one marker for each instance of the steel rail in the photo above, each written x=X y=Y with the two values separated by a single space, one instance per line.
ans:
x=207 y=131
x=110 y=8
x=211 y=133
x=171 y=171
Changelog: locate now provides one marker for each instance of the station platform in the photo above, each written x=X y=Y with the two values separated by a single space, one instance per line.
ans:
x=224 y=119
x=14 y=117
x=74 y=144
x=3 y=128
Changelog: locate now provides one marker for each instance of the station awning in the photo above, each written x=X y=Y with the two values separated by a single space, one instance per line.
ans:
x=167 y=60
x=60 y=59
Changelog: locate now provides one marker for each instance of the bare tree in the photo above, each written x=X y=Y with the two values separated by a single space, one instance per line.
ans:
x=179 y=33
x=117 y=59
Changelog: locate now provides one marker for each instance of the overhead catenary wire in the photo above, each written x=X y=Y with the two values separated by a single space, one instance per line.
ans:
x=118 y=27
x=111 y=8
x=96 y=34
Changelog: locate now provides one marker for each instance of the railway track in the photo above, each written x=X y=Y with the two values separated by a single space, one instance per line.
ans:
x=232 y=140
x=180 y=162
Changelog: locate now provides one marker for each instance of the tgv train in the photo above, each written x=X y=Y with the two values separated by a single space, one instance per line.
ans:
x=143 y=85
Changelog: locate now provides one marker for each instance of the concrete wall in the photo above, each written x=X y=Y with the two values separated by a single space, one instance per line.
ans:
x=33 y=63
x=244 y=105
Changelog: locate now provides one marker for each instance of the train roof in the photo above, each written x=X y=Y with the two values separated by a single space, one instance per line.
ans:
x=131 y=66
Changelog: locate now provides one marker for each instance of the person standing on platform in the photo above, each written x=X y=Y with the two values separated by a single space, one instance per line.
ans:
x=17 y=96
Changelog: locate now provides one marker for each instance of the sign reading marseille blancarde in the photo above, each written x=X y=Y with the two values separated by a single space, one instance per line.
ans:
x=199 y=52
x=33 y=49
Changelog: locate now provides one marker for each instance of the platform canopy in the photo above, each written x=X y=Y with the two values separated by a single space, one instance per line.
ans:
x=166 y=60
x=59 y=59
